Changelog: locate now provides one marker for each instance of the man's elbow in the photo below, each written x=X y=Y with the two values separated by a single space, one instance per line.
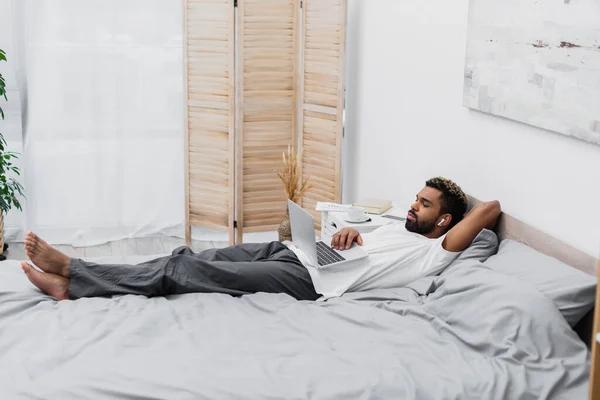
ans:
x=492 y=211
x=494 y=207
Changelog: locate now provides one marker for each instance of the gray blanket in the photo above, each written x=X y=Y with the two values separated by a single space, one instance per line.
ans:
x=468 y=334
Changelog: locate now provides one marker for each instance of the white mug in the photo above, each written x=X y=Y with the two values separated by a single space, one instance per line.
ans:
x=356 y=213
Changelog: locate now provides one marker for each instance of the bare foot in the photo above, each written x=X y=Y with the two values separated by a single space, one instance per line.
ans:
x=45 y=256
x=51 y=284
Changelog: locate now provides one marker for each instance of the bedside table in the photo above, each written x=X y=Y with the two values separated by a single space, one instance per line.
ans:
x=333 y=222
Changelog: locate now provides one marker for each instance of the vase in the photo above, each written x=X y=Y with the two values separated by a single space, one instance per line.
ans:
x=1 y=232
x=285 y=228
x=3 y=246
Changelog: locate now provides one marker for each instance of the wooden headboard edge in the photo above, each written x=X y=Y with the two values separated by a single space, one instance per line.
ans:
x=509 y=227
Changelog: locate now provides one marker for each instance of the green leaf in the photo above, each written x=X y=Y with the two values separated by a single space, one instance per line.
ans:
x=4 y=205
x=2 y=114
x=2 y=57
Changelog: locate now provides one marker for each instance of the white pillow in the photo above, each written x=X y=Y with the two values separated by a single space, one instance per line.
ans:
x=572 y=291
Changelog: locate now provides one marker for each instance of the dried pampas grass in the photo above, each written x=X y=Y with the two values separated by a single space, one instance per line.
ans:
x=291 y=176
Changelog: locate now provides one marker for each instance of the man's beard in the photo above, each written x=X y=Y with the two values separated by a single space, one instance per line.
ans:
x=421 y=227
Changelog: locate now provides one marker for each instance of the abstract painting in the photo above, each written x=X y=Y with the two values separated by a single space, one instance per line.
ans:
x=537 y=62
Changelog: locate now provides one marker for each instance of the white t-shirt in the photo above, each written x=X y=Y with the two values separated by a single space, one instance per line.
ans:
x=396 y=258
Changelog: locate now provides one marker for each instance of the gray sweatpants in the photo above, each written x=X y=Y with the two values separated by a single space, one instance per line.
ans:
x=236 y=270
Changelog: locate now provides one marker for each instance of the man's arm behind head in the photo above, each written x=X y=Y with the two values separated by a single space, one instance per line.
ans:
x=483 y=216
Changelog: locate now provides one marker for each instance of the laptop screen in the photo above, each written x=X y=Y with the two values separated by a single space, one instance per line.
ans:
x=303 y=231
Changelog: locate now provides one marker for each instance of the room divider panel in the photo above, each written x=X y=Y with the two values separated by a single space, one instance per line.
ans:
x=260 y=75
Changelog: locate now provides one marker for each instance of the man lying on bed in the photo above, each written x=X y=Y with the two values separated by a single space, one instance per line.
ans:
x=434 y=234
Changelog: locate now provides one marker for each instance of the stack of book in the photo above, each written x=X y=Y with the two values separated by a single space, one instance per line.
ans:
x=374 y=206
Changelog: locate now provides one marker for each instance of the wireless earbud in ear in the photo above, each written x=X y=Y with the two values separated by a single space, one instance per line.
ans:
x=442 y=221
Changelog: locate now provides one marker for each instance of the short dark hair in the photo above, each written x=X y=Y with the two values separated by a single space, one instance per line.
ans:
x=453 y=199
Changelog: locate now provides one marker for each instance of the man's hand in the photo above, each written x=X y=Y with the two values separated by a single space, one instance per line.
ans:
x=484 y=215
x=344 y=239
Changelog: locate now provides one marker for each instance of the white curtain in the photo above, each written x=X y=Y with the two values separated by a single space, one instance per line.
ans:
x=10 y=127
x=102 y=110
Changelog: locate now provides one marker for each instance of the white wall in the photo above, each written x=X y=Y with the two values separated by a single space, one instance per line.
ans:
x=406 y=123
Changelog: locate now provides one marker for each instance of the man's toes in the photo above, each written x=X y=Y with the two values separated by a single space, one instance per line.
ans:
x=34 y=237
x=26 y=267
x=30 y=272
x=31 y=247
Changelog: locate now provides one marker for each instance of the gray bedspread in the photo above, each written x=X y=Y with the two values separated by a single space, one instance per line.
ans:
x=468 y=334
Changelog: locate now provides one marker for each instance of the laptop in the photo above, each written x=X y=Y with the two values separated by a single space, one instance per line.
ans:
x=319 y=253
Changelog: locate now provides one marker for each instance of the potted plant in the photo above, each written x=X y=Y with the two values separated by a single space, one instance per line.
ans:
x=295 y=188
x=10 y=189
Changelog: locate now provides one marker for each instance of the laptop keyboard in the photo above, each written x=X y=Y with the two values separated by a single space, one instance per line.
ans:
x=326 y=255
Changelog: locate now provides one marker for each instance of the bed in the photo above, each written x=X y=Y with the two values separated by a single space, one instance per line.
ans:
x=470 y=333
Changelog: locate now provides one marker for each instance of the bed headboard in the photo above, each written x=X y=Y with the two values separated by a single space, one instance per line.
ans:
x=509 y=227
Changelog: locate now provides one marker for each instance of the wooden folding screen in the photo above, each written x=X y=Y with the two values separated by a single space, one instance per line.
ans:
x=288 y=74
x=267 y=54
x=209 y=55
x=322 y=100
